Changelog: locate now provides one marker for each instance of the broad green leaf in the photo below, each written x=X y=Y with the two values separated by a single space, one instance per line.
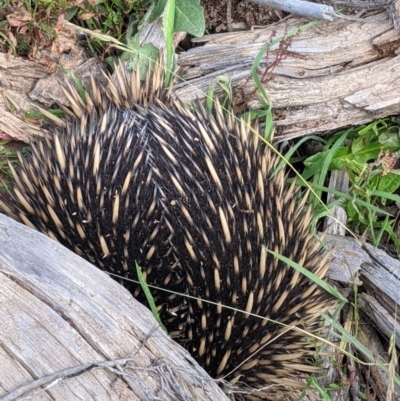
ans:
x=390 y=139
x=189 y=17
x=157 y=10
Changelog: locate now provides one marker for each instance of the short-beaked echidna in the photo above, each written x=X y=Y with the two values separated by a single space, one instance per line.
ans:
x=193 y=199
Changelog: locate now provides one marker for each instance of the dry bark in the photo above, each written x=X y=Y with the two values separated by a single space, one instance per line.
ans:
x=376 y=275
x=381 y=280
x=333 y=75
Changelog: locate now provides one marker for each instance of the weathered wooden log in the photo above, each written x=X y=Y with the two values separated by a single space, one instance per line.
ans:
x=70 y=332
x=381 y=281
x=376 y=275
x=332 y=75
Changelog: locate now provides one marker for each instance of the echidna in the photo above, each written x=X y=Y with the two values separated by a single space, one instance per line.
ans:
x=134 y=176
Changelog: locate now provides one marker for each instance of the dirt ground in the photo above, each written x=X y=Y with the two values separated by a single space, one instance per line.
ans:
x=218 y=18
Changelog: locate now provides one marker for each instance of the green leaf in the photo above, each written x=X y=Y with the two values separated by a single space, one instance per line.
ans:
x=373 y=129
x=353 y=165
x=149 y=296
x=70 y=13
x=168 y=24
x=157 y=10
x=144 y=54
x=352 y=213
x=390 y=139
x=224 y=83
x=359 y=144
x=348 y=197
x=365 y=154
x=189 y=17
x=388 y=183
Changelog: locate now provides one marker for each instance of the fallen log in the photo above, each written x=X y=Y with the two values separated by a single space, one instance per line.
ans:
x=331 y=75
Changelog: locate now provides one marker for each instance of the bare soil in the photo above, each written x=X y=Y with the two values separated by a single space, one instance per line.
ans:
x=217 y=15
